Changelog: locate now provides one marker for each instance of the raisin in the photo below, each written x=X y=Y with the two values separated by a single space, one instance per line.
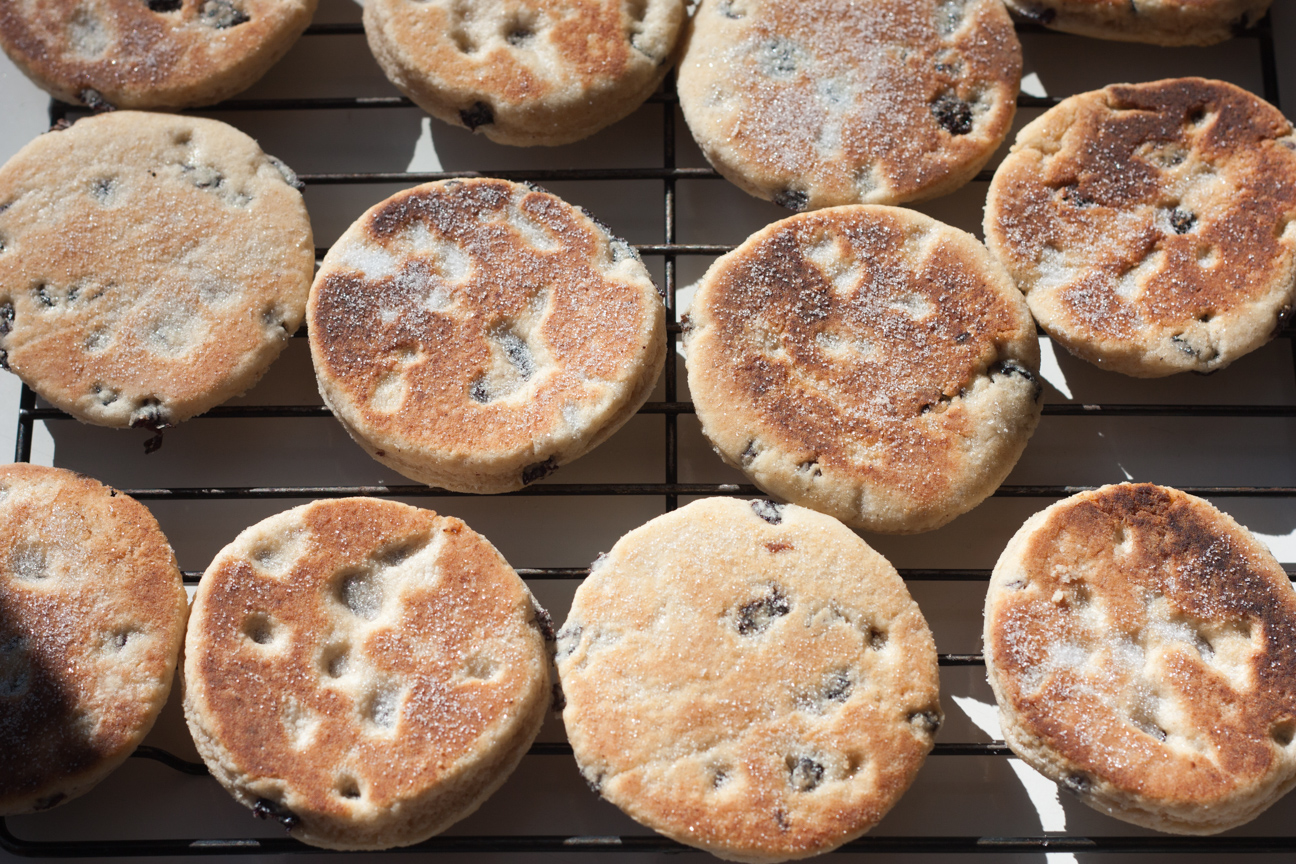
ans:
x=164 y=5
x=805 y=774
x=94 y=101
x=793 y=199
x=1182 y=221
x=1010 y=368
x=537 y=470
x=222 y=14
x=480 y=393
x=928 y=721
x=953 y=114
x=557 y=701
x=838 y=687
x=150 y=415
x=756 y=616
x=519 y=36
x=6 y=318
x=49 y=801
x=1077 y=784
x=1072 y=195
x=544 y=623
x=265 y=808
x=1037 y=14
x=478 y=114
x=768 y=510
x=727 y=10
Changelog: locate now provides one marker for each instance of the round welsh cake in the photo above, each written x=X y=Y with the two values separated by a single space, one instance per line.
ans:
x=363 y=671
x=1152 y=227
x=477 y=334
x=92 y=613
x=748 y=678
x=1161 y=22
x=1139 y=643
x=817 y=102
x=151 y=266
x=526 y=71
x=149 y=53
x=868 y=362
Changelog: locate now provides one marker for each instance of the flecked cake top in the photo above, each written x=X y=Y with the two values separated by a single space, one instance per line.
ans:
x=817 y=103
x=149 y=53
x=1151 y=226
x=92 y=614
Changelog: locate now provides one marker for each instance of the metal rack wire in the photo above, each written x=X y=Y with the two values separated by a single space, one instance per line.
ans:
x=669 y=489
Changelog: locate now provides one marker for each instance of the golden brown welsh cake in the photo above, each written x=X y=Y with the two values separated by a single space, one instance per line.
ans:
x=748 y=678
x=364 y=671
x=92 y=614
x=149 y=53
x=151 y=266
x=1152 y=226
x=1161 y=22
x=477 y=334
x=819 y=102
x=1140 y=645
x=868 y=362
x=525 y=71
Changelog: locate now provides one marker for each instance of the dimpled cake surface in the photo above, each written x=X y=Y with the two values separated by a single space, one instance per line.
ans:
x=526 y=72
x=748 y=678
x=820 y=103
x=363 y=671
x=1139 y=643
x=477 y=334
x=1160 y=22
x=152 y=266
x=868 y=362
x=1152 y=226
x=92 y=614
x=149 y=53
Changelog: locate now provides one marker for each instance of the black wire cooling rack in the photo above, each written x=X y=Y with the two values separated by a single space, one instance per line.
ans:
x=669 y=490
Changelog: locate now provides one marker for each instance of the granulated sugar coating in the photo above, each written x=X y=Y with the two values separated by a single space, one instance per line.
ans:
x=526 y=71
x=363 y=671
x=149 y=53
x=1141 y=646
x=817 y=103
x=1151 y=225
x=151 y=266
x=1161 y=22
x=748 y=678
x=92 y=613
x=477 y=334
x=868 y=362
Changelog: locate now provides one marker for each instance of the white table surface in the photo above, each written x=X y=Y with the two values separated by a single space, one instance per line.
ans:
x=956 y=795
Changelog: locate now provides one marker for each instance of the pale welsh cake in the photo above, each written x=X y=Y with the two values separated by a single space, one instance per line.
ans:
x=1151 y=225
x=151 y=266
x=1161 y=22
x=149 y=53
x=92 y=614
x=477 y=334
x=748 y=678
x=526 y=72
x=868 y=362
x=363 y=671
x=817 y=103
x=1139 y=643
